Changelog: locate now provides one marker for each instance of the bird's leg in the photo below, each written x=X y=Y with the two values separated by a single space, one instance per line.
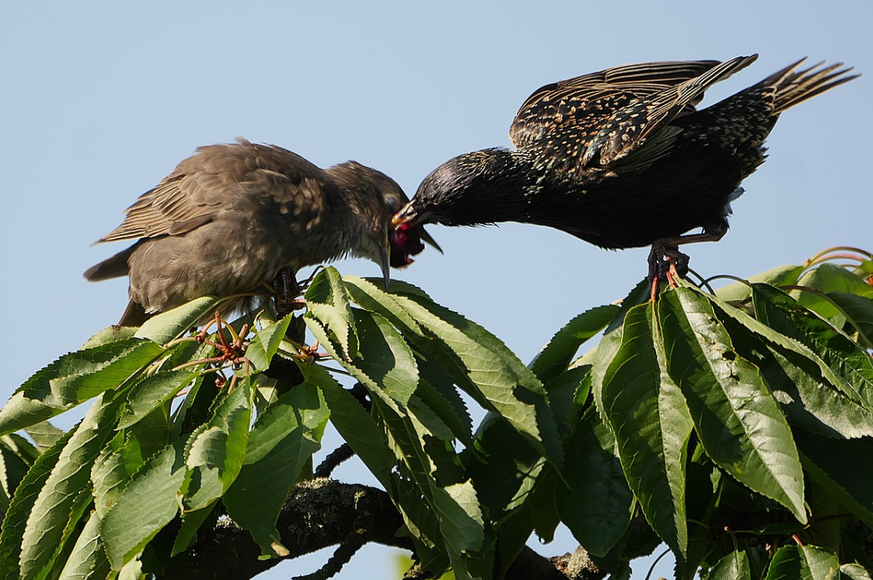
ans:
x=287 y=289
x=666 y=259
x=662 y=258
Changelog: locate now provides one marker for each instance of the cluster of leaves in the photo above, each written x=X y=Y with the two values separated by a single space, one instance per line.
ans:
x=735 y=427
x=741 y=422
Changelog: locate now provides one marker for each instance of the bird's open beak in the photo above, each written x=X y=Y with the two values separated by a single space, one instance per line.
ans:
x=404 y=216
x=409 y=215
x=385 y=261
x=425 y=237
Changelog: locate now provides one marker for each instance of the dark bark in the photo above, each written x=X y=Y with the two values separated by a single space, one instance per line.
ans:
x=322 y=513
x=319 y=513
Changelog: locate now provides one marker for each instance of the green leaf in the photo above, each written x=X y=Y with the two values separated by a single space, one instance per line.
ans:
x=858 y=311
x=328 y=302
x=17 y=456
x=609 y=345
x=598 y=505
x=148 y=503
x=812 y=402
x=195 y=406
x=109 y=334
x=461 y=521
x=87 y=558
x=734 y=566
x=559 y=352
x=355 y=425
x=842 y=468
x=805 y=394
x=422 y=466
x=133 y=570
x=111 y=472
x=803 y=563
x=855 y=572
x=74 y=378
x=505 y=468
x=55 y=510
x=512 y=534
x=21 y=506
x=420 y=519
x=436 y=386
x=829 y=278
x=215 y=453
x=651 y=424
x=191 y=523
x=5 y=491
x=542 y=505
x=568 y=393
x=779 y=276
x=452 y=413
x=383 y=363
x=781 y=343
x=44 y=434
x=265 y=343
x=407 y=440
x=164 y=327
x=489 y=372
x=838 y=351
x=430 y=422
x=739 y=422
x=372 y=298
x=24 y=449
x=281 y=443
x=152 y=392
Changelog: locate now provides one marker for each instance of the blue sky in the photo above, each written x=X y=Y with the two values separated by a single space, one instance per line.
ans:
x=101 y=100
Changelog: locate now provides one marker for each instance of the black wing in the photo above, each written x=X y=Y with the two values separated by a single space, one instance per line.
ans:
x=603 y=117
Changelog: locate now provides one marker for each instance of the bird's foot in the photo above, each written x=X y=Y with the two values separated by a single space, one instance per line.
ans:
x=287 y=289
x=666 y=262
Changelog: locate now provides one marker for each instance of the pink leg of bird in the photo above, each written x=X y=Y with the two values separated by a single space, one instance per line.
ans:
x=665 y=256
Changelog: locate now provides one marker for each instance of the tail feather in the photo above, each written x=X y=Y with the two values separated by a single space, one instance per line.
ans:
x=114 y=267
x=134 y=315
x=793 y=86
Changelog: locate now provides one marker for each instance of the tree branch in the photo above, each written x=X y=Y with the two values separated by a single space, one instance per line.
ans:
x=320 y=513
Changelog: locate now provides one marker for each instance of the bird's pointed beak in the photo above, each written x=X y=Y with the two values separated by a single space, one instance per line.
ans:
x=404 y=216
x=409 y=215
x=426 y=238
x=385 y=261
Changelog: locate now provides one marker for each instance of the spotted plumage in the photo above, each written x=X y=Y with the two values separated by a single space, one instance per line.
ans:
x=622 y=158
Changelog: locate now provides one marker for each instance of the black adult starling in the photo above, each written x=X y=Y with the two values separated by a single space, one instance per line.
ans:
x=621 y=158
x=232 y=217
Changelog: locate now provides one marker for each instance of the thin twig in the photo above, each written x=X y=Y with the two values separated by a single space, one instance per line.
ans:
x=333 y=460
x=342 y=556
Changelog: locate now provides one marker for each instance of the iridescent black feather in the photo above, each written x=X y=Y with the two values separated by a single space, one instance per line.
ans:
x=622 y=158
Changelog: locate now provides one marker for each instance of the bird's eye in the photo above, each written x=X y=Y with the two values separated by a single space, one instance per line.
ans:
x=393 y=203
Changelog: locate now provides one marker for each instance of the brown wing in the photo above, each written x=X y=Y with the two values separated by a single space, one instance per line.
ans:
x=205 y=183
x=602 y=117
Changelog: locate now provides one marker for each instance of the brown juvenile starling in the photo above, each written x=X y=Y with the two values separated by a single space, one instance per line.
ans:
x=233 y=217
x=621 y=158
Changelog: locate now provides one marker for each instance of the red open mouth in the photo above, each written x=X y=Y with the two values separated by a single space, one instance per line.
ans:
x=405 y=242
